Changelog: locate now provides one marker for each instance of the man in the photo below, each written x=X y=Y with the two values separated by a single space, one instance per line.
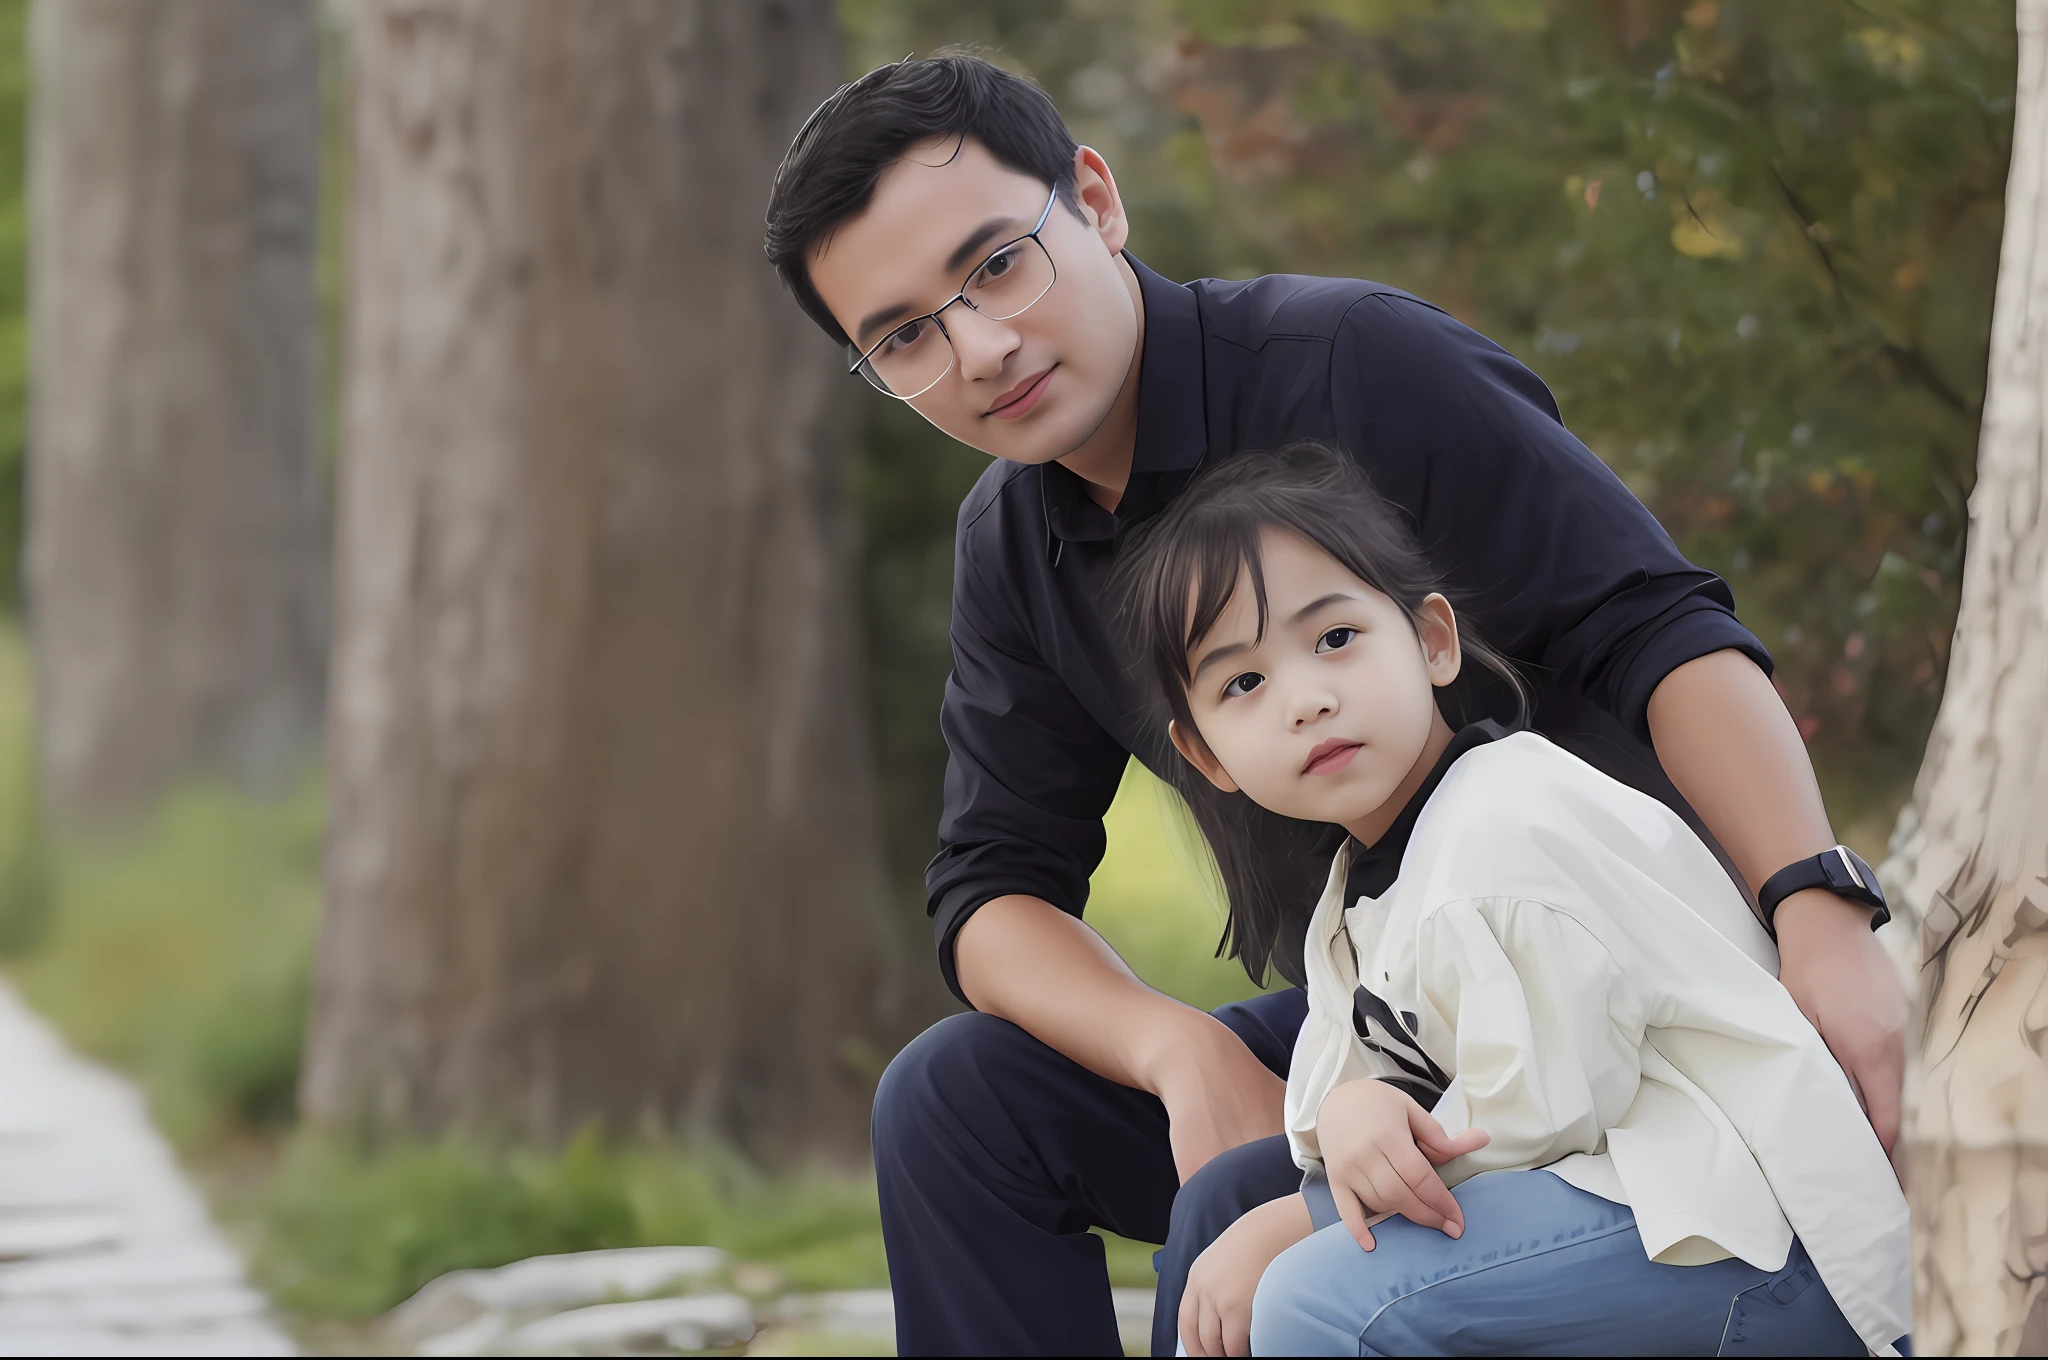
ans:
x=937 y=217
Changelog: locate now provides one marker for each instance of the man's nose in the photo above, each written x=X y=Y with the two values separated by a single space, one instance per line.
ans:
x=980 y=346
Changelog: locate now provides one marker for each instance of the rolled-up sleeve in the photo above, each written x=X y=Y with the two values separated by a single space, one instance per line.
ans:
x=1029 y=771
x=1558 y=563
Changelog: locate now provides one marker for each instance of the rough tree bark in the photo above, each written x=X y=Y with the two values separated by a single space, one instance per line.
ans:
x=1971 y=853
x=176 y=541
x=603 y=842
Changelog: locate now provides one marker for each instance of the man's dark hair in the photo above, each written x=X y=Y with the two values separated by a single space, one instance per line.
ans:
x=830 y=171
x=1175 y=575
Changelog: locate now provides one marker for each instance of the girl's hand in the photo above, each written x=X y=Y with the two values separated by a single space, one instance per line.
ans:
x=1216 y=1307
x=1381 y=1151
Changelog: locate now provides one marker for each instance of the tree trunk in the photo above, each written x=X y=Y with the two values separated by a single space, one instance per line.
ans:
x=1972 y=852
x=176 y=553
x=603 y=843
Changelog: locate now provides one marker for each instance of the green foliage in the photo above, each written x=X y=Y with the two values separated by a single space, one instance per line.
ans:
x=345 y=1236
x=182 y=955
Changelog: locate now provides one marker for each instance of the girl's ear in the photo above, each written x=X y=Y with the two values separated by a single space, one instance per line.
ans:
x=1436 y=627
x=1196 y=752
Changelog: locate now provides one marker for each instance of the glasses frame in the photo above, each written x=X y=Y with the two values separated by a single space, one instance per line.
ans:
x=861 y=365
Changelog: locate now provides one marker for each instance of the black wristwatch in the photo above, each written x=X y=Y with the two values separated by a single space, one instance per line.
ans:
x=1840 y=870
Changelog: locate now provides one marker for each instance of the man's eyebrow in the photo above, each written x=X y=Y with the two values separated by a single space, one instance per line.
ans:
x=881 y=318
x=978 y=238
x=962 y=253
x=1212 y=658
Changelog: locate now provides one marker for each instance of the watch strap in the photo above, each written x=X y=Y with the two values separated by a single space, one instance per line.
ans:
x=1838 y=869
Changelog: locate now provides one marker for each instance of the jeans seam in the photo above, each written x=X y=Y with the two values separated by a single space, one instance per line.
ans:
x=1728 y=1325
x=1470 y=1274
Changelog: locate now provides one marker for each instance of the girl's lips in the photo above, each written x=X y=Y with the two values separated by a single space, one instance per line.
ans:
x=1026 y=400
x=1330 y=757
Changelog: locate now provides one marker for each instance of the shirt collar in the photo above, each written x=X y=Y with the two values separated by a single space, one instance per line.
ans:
x=1173 y=428
x=1375 y=867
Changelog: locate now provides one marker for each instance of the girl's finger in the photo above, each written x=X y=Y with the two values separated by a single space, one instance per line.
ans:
x=1456 y=1145
x=1393 y=1194
x=1429 y=1187
x=1190 y=1324
x=1353 y=1213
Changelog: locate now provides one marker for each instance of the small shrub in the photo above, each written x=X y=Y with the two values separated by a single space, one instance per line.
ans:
x=344 y=1235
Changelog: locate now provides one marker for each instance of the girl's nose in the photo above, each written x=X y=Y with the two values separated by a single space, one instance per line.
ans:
x=1314 y=706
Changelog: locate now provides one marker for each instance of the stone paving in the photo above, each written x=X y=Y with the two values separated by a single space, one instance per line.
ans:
x=105 y=1247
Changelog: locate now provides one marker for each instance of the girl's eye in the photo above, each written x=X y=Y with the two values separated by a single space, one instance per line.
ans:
x=1243 y=684
x=1335 y=638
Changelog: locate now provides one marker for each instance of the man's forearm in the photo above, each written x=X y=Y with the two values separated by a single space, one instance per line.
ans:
x=1025 y=960
x=1723 y=736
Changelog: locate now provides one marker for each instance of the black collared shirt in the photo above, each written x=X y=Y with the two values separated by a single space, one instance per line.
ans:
x=1553 y=560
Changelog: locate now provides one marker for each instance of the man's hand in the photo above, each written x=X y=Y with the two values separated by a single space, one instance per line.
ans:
x=1217 y=1095
x=1216 y=1306
x=1830 y=961
x=1381 y=1151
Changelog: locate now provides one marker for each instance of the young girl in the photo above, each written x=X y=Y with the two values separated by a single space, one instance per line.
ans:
x=1526 y=981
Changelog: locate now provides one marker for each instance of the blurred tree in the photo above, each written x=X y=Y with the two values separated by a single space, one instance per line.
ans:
x=602 y=840
x=1750 y=245
x=1974 y=843
x=176 y=556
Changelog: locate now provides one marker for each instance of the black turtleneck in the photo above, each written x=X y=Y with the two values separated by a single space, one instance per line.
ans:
x=1375 y=867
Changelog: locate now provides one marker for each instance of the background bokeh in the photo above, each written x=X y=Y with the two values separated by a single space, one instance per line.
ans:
x=1750 y=246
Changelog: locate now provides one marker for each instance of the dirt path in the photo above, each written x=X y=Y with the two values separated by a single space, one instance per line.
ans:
x=105 y=1247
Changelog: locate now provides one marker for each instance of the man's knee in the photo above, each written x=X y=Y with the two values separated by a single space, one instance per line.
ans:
x=924 y=1085
x=1229 y=1186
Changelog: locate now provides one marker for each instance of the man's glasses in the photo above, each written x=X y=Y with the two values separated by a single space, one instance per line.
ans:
x=909 y=361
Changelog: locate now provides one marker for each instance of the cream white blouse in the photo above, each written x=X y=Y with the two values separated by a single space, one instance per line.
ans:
x=1570 y=956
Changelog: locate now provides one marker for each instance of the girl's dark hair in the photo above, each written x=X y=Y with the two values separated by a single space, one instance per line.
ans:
x=1174 y=576
x=831 y=168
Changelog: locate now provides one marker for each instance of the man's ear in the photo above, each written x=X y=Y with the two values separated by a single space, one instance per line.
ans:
x=1196 y=752
x=1095 y=191
x=1436 y=627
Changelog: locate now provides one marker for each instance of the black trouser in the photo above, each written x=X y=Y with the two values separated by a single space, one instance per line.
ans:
x=995 y=1155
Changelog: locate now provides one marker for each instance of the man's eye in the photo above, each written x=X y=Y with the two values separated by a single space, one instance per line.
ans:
x=1243 y=684
x=1335 y=638
x=906 y=337
x=997 y=265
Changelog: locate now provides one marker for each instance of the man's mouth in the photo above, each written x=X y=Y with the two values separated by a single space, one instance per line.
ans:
x=1020 y=398
x=1331 y=756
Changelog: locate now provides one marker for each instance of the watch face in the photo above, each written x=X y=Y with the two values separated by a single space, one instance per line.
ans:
x=1851 y=876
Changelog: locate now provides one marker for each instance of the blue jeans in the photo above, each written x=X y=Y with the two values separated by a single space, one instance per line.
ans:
x=1543 y=1269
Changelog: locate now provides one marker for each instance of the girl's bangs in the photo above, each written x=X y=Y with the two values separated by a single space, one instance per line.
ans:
x=1202 y=576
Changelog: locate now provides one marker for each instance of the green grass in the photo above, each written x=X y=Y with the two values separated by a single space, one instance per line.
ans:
x=1155 y=897
x=181 y=953
x=340 y=1235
